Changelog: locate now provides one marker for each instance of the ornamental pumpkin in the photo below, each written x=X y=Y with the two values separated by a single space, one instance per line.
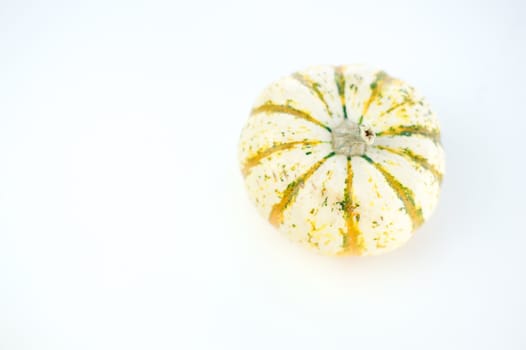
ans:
x=345 y=160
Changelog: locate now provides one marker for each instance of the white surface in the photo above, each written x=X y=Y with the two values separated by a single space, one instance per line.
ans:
x=124 y=223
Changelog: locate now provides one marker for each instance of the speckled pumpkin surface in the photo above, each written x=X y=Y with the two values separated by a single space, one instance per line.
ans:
x=345 y=160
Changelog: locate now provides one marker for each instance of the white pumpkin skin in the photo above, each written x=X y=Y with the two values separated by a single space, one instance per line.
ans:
x=365 y=200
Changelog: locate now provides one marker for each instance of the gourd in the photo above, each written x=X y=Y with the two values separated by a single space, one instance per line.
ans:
x=344 y=160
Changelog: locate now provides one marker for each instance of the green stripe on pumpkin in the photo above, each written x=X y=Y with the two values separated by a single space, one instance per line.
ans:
x=340 y=84
x=410 y=130
x=415 y=158
x=405 y=194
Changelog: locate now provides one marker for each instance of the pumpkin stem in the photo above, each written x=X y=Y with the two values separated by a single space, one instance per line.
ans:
x=351 y=139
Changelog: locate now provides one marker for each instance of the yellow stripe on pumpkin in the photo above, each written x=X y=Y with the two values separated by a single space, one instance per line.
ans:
x=254 y=160
x=314 y=87
x=406 y=101
x=270 y=107
x=291 y=192
x=376 y=87
x=353 y=241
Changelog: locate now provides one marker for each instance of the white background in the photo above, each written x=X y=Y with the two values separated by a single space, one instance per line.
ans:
x=124 y=223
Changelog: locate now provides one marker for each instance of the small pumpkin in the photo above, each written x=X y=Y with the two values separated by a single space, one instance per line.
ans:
x=345 y=160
